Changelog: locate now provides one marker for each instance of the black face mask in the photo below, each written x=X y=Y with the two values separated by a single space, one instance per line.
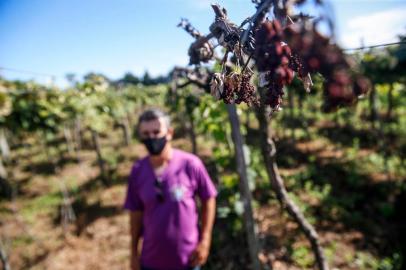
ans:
x=155 y=145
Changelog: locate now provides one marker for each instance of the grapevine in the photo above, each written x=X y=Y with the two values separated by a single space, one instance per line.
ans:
x=279 y=49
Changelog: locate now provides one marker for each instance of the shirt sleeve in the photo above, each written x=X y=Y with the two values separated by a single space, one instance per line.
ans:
x=133 y=201
x=205 y=186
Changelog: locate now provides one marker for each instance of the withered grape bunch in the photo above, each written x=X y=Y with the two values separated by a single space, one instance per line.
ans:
x=280 y=52
x=234 y=88
x=272 y=60
x=200 y=50
x=313 y=52
x=308 y=52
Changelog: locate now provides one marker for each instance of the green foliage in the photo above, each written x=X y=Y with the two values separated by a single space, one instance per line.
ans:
x=5 y=103
x=302 y=256
x=35 y=108
x=43 y=205
x=215 y=116
x=22 y=240
x=367 y=261
x=26 y=107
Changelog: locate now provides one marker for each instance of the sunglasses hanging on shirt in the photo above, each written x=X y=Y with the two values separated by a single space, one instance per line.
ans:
x=159 y=189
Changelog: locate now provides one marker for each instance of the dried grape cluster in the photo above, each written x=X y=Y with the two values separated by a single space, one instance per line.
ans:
x=246 y=91
x=279 y=52
x=234 y=88
x=272 y=60
x=200 y=51
x=312 y=52
x=341 y=89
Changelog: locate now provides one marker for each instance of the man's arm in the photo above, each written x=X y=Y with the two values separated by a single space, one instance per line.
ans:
x=208 y=214
x=135 y=231
x=201 y=253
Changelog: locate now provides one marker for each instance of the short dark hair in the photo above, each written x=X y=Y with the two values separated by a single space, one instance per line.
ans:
x=154 y=114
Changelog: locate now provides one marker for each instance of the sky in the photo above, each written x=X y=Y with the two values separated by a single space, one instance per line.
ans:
x=57 y=37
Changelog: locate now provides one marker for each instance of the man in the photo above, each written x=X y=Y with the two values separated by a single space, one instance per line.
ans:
x=161 y=199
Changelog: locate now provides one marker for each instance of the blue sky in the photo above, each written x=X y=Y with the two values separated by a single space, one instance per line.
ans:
x=57 y=37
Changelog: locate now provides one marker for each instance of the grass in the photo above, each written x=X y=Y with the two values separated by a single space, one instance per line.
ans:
x=43 y=205
x=365 y=260
x=22 y=240
x=302 y=256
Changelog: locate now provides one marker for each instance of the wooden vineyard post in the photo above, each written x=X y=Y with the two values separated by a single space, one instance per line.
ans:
x=4 y=257
x=249 y=223
x=100 y=160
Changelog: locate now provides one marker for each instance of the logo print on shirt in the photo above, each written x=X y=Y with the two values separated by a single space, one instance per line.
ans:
x=178 y=192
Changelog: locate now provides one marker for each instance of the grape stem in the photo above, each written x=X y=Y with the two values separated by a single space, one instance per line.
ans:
x=257 y=17
x=246 y=63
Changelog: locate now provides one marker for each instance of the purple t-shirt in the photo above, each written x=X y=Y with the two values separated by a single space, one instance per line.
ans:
x=170 y=227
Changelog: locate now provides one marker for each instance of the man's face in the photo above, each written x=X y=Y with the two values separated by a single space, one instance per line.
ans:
x=155 y=129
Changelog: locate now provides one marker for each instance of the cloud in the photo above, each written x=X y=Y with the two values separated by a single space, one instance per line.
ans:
x=376 y=28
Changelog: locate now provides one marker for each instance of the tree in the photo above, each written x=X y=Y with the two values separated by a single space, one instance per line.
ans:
x=279 y=48
x=129 y=78
x=147 y=79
